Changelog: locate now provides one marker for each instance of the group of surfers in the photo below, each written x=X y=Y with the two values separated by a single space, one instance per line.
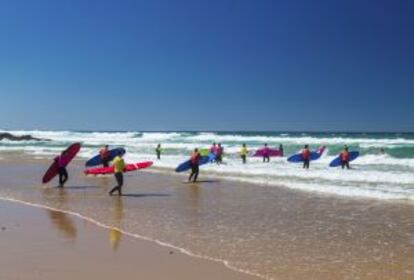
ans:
x=217 y=149
x=117 y=162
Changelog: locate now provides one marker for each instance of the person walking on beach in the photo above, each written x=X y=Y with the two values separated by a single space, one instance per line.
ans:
x=63 y=173
x=345 y=158
x=119 y=165
x=281 y=150
x=306 y=156
x=219 y=154
x=195 y=162
x=243 y=153
x=105 y=155
x=158 y=151
x=266 y=153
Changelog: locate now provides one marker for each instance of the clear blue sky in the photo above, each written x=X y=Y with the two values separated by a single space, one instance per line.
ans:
x=207 y=65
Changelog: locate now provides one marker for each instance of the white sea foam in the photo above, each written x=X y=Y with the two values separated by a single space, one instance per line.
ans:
x=380 y=175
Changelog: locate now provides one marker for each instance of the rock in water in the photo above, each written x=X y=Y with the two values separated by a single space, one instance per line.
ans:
x=9 y=136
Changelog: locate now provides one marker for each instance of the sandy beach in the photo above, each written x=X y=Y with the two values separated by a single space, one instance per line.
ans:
x=45 y=244
x=275 y=233
x=215 y=140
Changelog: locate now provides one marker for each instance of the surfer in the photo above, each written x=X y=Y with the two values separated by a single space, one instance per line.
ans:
x=266 y=153
x=63 y=173
x=105 y=155
x=219 y=154
x=345 y=158
x=195 y=162
x=243 y=153
x=281 y=150
x=213 y=148
x=119 y=165
x=158 y=151
x=306 y=156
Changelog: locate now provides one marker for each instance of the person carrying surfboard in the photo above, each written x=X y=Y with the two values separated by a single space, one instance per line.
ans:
x=345 y=158
x=119 y=165
x=306 y=156
x=158 y=151
x=219 y=154
x=213 y=148
x=63 y=173
x=195 y=162
x=243 y=153
x=281 y=150
x=266 y=153
x=105 y=155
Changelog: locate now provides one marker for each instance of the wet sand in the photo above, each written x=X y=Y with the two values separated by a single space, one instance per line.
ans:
x=44 y=244
x=274 y=232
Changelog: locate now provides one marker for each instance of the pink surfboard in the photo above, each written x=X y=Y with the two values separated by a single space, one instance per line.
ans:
x=54 y=169
x=110 y=169
x=271 y=152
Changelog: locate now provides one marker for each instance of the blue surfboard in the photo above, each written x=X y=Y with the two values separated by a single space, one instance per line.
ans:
x=337 y=161
x=313 y=156
x=187 y=164
x=97 y=160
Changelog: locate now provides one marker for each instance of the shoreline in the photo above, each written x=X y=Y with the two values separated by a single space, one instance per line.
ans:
x=215 y=175
x=276 y=233
x=132 y=235
x=208 y=267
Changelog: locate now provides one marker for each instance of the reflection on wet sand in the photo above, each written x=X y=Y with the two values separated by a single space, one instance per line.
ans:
x=63 y=223
x=61 y=220
x=118 y=213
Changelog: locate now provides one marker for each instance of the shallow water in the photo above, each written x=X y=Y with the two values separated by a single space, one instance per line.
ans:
x=274 y=232
x=388 y=176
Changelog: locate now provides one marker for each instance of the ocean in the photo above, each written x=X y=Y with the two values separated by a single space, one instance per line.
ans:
x=388 y=175
x=273 y=220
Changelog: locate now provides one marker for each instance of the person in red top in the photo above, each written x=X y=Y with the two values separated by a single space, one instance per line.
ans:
x=266 y=153
x=195 y=162
x=345 y=158
x=105 y=154
x=213 y=148
x=306 y=156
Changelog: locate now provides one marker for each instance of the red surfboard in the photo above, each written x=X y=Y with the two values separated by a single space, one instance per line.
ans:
x=54 y=169
x=110 y=169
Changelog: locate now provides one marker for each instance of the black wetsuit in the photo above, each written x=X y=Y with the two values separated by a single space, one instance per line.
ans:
x=105 y=162
x=119 y=176
x=306 y=163
x=195 y=162
x=194 y=171
x=345 y=163
x=63 y=176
